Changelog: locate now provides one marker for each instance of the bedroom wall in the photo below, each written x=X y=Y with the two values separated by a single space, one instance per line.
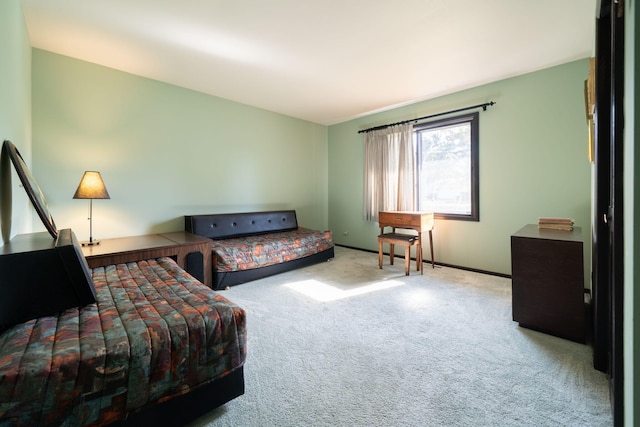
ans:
x=164 y=151
x=15 y=108
x=533 y=163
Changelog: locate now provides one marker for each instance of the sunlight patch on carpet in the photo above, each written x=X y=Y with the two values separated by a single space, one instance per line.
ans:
x=419 y=299
x=323 y=292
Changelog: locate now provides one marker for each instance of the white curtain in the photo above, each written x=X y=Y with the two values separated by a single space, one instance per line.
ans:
x=389 y=171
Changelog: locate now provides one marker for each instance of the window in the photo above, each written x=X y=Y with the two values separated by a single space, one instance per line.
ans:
x=447 y=156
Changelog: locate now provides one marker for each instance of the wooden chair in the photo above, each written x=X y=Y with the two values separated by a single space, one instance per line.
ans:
x=406 y=240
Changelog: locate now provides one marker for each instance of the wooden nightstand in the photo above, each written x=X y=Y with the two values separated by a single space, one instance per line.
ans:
x=190 y=251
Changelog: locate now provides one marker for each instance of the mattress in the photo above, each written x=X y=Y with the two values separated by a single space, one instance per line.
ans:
x=154 y=333
x=262 y=250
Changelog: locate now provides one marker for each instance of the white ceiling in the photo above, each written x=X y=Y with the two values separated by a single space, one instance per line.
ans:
x=326 y=61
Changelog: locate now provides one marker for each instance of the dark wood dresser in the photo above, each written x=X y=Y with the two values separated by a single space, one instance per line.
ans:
x=548 y=281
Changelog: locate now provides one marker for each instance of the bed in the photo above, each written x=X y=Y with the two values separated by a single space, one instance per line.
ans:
x=138 y=343
x=155 y=335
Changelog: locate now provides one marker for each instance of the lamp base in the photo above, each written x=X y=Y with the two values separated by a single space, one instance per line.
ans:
x=91 y=243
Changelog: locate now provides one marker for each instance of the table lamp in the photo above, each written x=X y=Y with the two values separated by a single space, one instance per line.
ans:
x=91 y=187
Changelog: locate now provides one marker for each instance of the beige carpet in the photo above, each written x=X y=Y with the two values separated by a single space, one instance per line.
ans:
x=344 y=343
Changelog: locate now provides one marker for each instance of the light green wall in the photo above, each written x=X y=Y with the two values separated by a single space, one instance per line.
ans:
x=15 y=108
x=533 y=163
x=631 y=217
x=165 y=151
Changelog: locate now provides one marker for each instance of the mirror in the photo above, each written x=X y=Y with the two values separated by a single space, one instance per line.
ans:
x=30 y=186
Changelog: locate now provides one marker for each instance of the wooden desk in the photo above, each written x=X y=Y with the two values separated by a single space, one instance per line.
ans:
x=178 y=245
x=421 y=222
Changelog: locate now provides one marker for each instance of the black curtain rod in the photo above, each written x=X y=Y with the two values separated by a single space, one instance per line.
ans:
x=473 y=107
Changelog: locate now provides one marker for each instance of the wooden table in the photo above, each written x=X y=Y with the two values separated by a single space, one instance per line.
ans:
x=190 y=251
x=421 y=222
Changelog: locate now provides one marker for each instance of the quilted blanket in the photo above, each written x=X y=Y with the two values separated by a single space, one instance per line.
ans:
x=244 y=253
x=154 y=333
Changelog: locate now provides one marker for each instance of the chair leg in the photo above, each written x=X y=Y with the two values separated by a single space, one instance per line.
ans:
x=380 y=254
x=419 y=257
x=391 y=251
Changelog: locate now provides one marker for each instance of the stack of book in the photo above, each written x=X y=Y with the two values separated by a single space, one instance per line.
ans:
x=555 y=224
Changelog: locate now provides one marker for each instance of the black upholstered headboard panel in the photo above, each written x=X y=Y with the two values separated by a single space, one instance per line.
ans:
x=223 y=226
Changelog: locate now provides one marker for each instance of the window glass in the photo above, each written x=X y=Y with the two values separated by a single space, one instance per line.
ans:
x=447 y=152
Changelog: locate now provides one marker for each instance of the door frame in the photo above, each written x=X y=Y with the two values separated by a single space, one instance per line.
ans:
x=607 y=254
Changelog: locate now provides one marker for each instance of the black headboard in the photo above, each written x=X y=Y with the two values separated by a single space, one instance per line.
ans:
x=223 y=226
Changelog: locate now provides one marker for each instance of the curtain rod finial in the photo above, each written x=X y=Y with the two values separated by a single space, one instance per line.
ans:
x=488 y=104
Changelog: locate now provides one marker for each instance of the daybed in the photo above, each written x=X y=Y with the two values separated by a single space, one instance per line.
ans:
x=251 y=245
x=154 y=335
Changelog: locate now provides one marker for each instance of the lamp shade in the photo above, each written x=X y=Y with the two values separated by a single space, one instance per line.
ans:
x=91 y=187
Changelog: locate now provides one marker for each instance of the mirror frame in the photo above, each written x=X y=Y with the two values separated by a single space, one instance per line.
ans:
x=31 y=187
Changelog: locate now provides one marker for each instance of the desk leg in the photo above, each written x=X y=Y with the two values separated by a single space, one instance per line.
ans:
x=433 y=262
x=407 y=259
x=419 y=253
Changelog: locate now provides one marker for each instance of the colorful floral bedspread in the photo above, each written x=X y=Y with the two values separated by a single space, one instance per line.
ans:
x=155 y=332
x=244 y=253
